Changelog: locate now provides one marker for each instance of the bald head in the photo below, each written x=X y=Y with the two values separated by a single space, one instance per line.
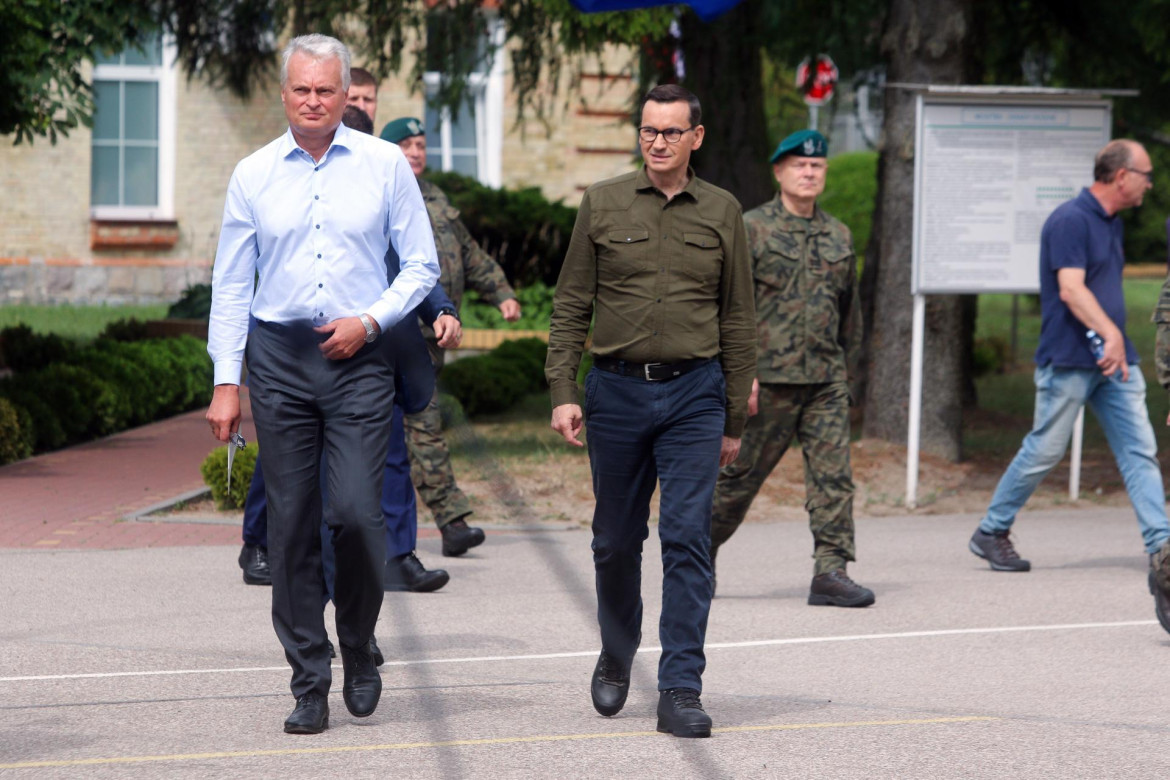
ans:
x=1115 y=156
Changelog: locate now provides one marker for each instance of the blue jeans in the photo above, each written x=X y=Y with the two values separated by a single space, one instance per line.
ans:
x=1120 y=407
x=641 y=434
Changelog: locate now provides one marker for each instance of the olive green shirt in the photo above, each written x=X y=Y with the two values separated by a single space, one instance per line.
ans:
x=807 y=297
x=667 y=281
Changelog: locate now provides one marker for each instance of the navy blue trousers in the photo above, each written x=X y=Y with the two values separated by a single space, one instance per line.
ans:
x=399 y=507
x=640 y=434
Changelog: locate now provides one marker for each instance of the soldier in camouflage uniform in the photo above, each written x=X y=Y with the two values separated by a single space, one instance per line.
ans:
x=1159 y=577
x=463 y=264
x=809 y=326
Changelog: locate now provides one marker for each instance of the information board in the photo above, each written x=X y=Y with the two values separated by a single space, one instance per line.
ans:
x=988 y=172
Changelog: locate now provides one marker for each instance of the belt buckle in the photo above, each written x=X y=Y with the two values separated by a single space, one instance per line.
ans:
x=646 y=370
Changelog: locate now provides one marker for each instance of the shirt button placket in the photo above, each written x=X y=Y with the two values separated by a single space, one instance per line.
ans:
x=316 y=246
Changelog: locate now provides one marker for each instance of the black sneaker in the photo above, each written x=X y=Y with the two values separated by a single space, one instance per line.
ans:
x=610 y=685
x=998 y=551
x=681 y=713
x=835 y=589
x=1159 y=581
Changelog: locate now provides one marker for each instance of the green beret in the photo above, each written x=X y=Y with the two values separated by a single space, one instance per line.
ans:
x=402 y=128
x=803 y=143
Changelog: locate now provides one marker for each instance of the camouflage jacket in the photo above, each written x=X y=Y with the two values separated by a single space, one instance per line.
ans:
x=462 y=263
x=1162 y=342
x=808 y=312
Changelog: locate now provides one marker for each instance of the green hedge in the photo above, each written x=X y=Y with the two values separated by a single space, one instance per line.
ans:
x=486 y=384
x=523 y=230
x=214 y=471
x=65 y=394
x=850 y=192
x=536 y=302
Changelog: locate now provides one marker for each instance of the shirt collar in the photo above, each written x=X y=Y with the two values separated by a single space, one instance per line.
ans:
x=1092 y=204
x=342 y=137
x=814 y=223
x=642 y=182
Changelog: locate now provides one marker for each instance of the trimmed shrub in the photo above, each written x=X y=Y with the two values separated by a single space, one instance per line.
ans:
x=214 y=471
x=14 y=438
x=527 y=356
x=483 y=384
x=125 y=330
x=193 y=304
x=28 y=351
x=536 y=302
x=524 y=231
x=850 y=193
x=450 y=411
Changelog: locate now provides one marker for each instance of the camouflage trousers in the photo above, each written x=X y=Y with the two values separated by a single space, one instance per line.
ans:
x=430 y=459
x=818 y=416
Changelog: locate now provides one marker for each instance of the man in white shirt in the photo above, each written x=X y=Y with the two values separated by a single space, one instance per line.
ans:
x=312 y=215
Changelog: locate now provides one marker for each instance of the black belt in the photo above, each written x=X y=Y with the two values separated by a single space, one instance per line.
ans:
x=651 y=372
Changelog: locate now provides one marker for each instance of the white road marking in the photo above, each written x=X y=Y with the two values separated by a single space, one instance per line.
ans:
x=590 y=653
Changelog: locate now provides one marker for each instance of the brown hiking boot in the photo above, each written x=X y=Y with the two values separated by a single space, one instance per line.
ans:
x=835 y=589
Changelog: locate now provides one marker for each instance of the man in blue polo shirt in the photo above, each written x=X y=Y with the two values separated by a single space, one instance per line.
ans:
x=1084 y=357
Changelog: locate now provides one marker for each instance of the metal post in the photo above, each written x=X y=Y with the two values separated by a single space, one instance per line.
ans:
x=1074 y=466
x=914 y=427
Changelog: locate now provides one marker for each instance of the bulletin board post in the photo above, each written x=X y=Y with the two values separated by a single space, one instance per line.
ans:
x=990 y=165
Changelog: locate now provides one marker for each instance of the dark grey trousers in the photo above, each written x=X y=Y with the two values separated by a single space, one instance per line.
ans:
x=303 y=404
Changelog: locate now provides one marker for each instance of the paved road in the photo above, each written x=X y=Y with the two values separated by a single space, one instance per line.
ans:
x=159 y=662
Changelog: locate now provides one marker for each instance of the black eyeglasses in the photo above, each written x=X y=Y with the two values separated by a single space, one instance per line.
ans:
x=672 y=135
x=1148 y=174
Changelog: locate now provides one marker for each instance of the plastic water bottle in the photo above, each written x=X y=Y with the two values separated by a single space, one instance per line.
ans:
x=1096 y=345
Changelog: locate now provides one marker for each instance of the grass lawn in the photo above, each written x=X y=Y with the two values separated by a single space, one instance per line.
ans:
x=81 y=323
x=1006 y=400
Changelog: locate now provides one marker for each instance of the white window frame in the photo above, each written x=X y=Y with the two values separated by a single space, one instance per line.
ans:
x=164 y=75
x=487 y=93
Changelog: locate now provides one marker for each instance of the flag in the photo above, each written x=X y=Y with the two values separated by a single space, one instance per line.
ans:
x=707 y=10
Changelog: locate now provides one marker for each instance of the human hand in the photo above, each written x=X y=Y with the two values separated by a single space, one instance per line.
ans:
x=347 y=335
x=1114 y=359
x=567 y=421
x=728 y=451
x=224 y=412
x=448 y=331
x=510 y=309
x=754 y=399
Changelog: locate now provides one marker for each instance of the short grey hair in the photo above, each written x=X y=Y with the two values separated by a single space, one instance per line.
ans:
x=319 y=47
x=1116 y=155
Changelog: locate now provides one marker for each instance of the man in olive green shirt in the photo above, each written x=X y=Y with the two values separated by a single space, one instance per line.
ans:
x=809 y=337
x=658 y=260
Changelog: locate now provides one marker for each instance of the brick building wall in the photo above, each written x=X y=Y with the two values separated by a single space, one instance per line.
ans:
x=52 y=252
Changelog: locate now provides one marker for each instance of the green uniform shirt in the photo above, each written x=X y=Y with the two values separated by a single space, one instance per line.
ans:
x=667 y=281
x=807 y=305
x=462 y=263
x=1162 y=340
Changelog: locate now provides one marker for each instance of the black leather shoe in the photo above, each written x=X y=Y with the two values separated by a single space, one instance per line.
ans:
x=611 y=682
x=835 y=589
x=379 y=659
x=310 y=716
x=254 y=561
x=459 y=537
x=681 y=713
x=332 y=649
x=610 y=686
x=406 y=572
x=363 y=683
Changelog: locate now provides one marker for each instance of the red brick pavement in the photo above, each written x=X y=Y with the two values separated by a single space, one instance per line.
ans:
x=77 y=498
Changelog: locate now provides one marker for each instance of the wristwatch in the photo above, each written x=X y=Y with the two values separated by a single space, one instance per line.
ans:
x=368 y=324
x=450 y=312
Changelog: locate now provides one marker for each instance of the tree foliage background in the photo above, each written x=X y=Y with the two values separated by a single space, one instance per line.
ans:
x=734 y=63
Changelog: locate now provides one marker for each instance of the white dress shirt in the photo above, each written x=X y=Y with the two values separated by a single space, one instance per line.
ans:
x=317 y=235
